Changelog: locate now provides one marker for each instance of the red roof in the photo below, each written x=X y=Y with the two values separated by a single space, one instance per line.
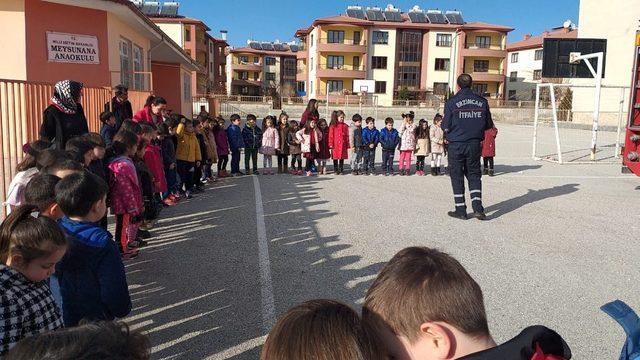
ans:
x=179 y=19
x=406 y=23
x=536 y=41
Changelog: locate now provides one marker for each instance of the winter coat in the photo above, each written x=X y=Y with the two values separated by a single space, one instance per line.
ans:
x=107 y=132
x=294 y=146
x=188 y=146
x=126 y=193
x=324 y=153
x=408 y=137
x=122 y=111
x=305 y=140
x=283 y=132
x=370 y=136
x=91 y=275
x=204 y=155
x=339 y=141
x=153 y=160
x=307 y=116
x=389 y=140
x=58 y=127
x=355 y=140
x=489 y=143
x=168 y=152
x=145 y=115
x=222 y=143
x=270 y=141
x=210 y=142
x=234 y=135
x=437 y=139
x=15 y=194
x=423 y=146
x=252 y=136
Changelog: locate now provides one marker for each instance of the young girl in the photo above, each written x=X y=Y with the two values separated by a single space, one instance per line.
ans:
x=270 y=142
x=222 y=146
x=294 y=148
x=489 y=148
x=321 y=330
x=168 y=149
x=323 y=154
x=423 y=145
x=338 y=141
x=309 y=138
x=30 y=247
x=437 y=144
x=283 y=150
x=152 y=157
x=26 y=170
x=407 y=143
x=126 y=193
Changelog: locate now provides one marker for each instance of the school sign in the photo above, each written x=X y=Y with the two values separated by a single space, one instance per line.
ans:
x=72 y=48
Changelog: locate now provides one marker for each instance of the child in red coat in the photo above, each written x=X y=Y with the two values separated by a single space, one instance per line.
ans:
x=489 y=149
x=338 y=141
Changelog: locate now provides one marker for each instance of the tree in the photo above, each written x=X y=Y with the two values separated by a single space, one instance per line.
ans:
x=404 y=94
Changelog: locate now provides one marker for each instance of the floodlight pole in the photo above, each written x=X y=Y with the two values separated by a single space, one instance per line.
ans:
x=597 y=74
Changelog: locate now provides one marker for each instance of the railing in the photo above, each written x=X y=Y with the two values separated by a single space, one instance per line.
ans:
x=242 y=98
x=240 y=62
x=417 y=103
x=341 y=67
x=293 y=100
x=488 y=71
x=247 y=79
x=361 y=42
x=485 y=46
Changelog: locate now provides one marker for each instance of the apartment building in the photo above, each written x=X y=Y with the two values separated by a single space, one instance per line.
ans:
x=262 y=69
x=414 y=54
x=217 y=48
x=524 y=62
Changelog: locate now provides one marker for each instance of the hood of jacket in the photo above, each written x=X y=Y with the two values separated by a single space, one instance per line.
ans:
x=86 y=232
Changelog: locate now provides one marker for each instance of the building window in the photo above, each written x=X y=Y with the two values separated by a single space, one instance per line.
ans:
x=125 y=62
x=440 y=88
x=334 y=86
x=311 y=39
x=538 y=55
x=256 y=76
x=335 y=62
x=480 y=89
x=380 y=37
x=311 y=62
x=537 y=74
x=269 y=61
x=514 y=57
x=256 y=60
x=244 y=59
x=356 y=37
x=356 y=63
x=244 y=90
x=483 y=42
x=187 y=33
x=290 y=67
x=312 y=88
x=243 y=75
x=300 y=86
x=378 y=62
x=512 y=95
x=270 y=76
x=335 y=37
x=186 y=87
x=381 y=87
x=138 y=67
x=513 y=76
x=442 y=64
x=410 y=46
x=443 y=40
x=408 y=76
x=480 y=65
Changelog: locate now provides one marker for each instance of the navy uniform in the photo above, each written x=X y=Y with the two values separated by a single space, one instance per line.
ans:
x=466 y=116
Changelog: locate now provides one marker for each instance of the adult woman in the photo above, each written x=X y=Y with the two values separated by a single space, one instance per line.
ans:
x=120 y=105
x=310 y=113
x=151 y=113
x=64 y=117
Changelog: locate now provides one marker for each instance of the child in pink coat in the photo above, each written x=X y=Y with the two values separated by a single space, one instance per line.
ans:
x=489 y=149
x=310 y=138
x=407 y=143
x=270 y=142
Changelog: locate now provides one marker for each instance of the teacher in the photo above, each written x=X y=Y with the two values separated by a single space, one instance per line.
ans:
x=64 y=118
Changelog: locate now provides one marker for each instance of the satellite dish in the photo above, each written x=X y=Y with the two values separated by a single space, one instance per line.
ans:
x=567 y=24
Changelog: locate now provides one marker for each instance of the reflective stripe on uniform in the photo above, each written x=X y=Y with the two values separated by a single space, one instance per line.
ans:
x=475 y=191
x=460 y=204
x=457 y=195
x=476 y=199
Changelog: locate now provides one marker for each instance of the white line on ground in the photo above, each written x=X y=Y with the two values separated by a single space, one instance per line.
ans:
x=266 y=287
x=569 y=177
x=239 y=349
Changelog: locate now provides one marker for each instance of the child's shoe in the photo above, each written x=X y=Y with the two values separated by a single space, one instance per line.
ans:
x=144 y=234
x=188 y=195
x=491 y=173
x=485 y=171
x=300 y=172
x=309 y=173
x=130 y=254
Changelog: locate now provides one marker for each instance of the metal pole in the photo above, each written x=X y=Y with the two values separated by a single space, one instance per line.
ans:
x=555 y=121
x=620 y=109
x=597 y=74
x=535 y=122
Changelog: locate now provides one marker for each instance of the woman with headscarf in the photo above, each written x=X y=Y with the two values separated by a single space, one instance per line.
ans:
x=64 y=118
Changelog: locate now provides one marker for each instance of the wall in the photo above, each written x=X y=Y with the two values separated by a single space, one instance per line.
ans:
x=437 y=52
x=186 y=103
x=174 y=31
x=389 y=51
x=167 y=82
x=348 y=59
x=524 y=67
x=117 y=30
x=12 y=13
x=312 y=86
x=43 y=16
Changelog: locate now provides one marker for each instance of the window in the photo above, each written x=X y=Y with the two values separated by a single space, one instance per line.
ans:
x=270 y=76
x=290 y=67
x=408 y=76
x=256 y=60
x=480 y=89
x=311 y=63
x=512 y=95
x=513 y=76
x=243 y=59
x=269 y=61
x=138 y=66
x=335 y=37
x=483 y=42
x=335 y=62
x=378 y=62
x=311 y=39
x=440 y=88
x=356 y=63
x=381 y=87
x=380 y=37
x=443 y=40
x=514 y=57
x=480 y=65
x=125 y=62
x=300 y=86
x=334 y=86
x=243 y=75
x=356 y=37
x=186 y=86
x=244 y=90
x=312 y=88
x=256 y=76
x=537 y=74
x=187 y=33
x=538 y=55
x=442 y=64
x=410 y=46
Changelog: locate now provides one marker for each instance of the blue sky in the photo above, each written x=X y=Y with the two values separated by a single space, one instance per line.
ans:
x=265 y=20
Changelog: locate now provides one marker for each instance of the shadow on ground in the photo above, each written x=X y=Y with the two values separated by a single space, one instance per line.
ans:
x=495 y=211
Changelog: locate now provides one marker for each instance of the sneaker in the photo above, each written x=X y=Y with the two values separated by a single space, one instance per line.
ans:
x=491 y=172
x=188 y=195
x=300 y=172
x=168 y=202
x=256 y=172
x=479 y=215
x=485 y=171
x=386 y=174
x=141 y=242
x=457 y=215
x=309 y=173
x=145 y=234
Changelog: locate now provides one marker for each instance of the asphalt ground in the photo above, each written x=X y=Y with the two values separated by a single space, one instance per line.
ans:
x=561 y=240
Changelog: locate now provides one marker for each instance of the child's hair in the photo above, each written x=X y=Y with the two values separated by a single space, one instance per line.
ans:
x=163 y=129
x=148 y=129
x=251 y=117
x=31 y=150
x=410 y=115
x=370 y=119
x=142 y=145
x=282 y=115
x=267 y=118
x=234 y=117
x=195 y=122
x=50 y=156
x=77 y=147
x=63 y=164
x=95 y=139
x=421 y=285
x=76 y=193
x=420 y=132
x=189 y=121
x=356 y=117
x=322 y=121
x=293 y=124
x=388 y=120
x=41 y=191
x=98 y=340
x=30 y=235
x=123 y=141
x=174 y=120
x=437 y=118
x=335 y=115
x=105 y=116
x=321 y=330
x=132 y=126
x=307 y=127
x=154 y=100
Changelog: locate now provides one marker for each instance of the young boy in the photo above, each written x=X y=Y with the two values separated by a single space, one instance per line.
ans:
x=91 y=274
x=252 y=136
x=425 y=305
x=389 y=141
x=62 y=167
x=370 y=139
x=41 y=192
x=356 y=144
x=108 y=129
x=236 y=143
x=188 y=155
x=198 y=125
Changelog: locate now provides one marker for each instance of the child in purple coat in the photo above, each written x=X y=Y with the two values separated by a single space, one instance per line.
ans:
x=222 y=146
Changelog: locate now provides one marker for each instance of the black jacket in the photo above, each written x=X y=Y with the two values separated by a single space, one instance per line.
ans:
x=122 y=111
x=466 y=117
x=59 y=127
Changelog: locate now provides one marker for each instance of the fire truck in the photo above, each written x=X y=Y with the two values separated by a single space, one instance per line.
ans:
x=631 y=155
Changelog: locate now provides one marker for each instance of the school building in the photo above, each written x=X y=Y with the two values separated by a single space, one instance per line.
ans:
x=415 y=54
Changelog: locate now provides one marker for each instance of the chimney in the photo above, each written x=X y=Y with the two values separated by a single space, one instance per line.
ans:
x=223 y=34
x=526 y=37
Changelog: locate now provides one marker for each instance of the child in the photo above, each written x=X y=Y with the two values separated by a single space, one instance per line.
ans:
x=168 y=151
x=25 y=170
x=252 y=136
x=283 y=149
x=153 y=159
x=63 y=167
x=91 y=275
x=407 y=143
x=80 y=150
x=355 y=143
x=270 y=142
x=126 y=193
x=151 y=208
x=309 y=139
x=321 y=330
x=222 y=146
x=236 y=143
x=41 y=192
x=101 y=340
x=339 y=141
x=370 y=139
x=489 y=148
x=294 y=148
x=30 y=247
x=96 y=165
x=188 y=154
x=437 y=144
x=108 y=129
x=423 y=145
x=212 y=151
x=324 y=155
x=389 y=140
x=204 y=156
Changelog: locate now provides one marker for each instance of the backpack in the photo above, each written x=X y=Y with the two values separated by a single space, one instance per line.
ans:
x=628 y=319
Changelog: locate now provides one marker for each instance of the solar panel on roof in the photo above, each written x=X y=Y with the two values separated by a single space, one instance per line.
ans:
x=267 y=46
x=255 y=46
x=417 y=17
x=356 y=13
x=436 y=17
x=169 y=8
x=375 y=15
x=454 y=17
x=393 y=16
x=151 y=8
x=279 y=47
x=294 y=48
x=137 y=3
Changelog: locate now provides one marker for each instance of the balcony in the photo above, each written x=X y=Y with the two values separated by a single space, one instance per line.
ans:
x=484 y=50
x=301 y=74
x=341 y=71
x=247 y=82
x=491 y=75
x=346 y=45
x=246 y=66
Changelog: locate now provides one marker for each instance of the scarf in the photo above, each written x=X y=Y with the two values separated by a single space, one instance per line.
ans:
x=64 y=94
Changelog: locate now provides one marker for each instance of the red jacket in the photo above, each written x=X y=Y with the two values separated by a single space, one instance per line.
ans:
x=489 y=142
x=144 y=115
x=324 y=153
x=153 y=160
x=307 y=116
x=339 y=141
